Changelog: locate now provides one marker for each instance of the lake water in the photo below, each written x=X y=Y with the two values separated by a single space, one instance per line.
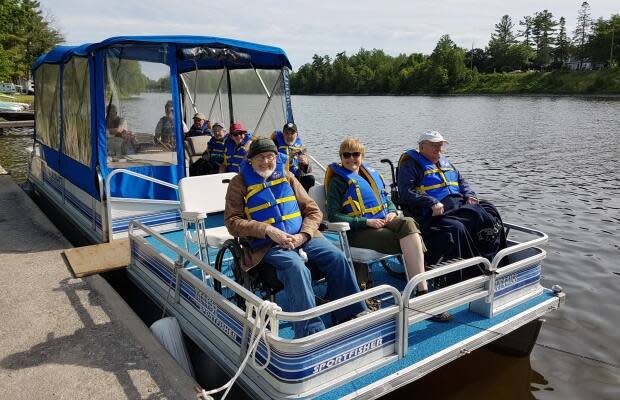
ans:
x=550 y=163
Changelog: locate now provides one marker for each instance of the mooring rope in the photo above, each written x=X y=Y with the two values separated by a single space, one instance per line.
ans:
x=265 y=315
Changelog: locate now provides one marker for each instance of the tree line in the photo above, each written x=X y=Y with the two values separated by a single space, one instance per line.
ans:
x=25 y=34
x=541 y=43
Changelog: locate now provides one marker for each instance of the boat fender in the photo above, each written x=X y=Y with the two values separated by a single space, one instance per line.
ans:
x=168 y=333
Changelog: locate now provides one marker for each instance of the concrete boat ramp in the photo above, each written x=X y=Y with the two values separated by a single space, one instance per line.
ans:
x=68 y=338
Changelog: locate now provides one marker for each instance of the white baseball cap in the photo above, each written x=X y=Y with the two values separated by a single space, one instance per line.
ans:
x=431 y=136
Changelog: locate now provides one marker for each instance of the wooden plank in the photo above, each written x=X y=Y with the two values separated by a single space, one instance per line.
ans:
x=16 y=124
x=98 y=258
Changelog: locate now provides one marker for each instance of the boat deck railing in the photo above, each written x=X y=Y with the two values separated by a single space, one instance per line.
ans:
x=110 y=200
x=413 y=309
x=379 y=337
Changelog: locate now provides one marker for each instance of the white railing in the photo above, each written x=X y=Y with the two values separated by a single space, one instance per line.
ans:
x=406 y=310
x=109 y=200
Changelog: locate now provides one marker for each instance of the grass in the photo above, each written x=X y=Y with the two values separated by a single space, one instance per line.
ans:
x=18 y=98
x=556 y=82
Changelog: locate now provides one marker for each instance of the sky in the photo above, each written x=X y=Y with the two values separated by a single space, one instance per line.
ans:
x=304 y=28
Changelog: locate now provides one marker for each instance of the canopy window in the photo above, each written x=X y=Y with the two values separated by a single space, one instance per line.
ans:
x=254 y=97
x=47 y=104
x=206 y=91
x=76 y=110
x=141 y=123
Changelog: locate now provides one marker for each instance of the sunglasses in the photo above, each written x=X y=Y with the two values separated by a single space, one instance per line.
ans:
x=355 y=154
x=237 y=134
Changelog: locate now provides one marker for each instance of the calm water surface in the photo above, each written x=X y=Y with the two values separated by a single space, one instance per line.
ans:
x=550 y=163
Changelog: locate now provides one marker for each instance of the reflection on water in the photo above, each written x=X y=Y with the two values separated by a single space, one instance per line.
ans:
x=550 y=163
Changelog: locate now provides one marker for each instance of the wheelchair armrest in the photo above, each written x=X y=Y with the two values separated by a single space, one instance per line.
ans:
x=337 y=226
x=193 y=215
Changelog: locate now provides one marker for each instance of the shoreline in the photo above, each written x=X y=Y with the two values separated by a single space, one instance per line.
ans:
x=508 y=94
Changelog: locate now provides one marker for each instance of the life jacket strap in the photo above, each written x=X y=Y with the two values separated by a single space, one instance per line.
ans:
x=254 y=189
x=424 y=189
x=285 y=217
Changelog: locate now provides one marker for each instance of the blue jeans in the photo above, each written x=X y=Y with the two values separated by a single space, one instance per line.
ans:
x=296 y=277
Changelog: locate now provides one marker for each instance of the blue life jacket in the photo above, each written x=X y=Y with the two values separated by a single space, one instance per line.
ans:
x=271 y=200
x=292 y=151
x=366 y=195
x=202 y=131
x=216 y=149
x=439 y=181
x=233 y=154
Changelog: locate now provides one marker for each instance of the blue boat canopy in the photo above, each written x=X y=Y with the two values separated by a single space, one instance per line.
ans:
x=260 y=56
x=95 y=114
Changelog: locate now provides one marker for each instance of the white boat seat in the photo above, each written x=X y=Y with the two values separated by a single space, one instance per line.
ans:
x=199 y=197
x=215 y=236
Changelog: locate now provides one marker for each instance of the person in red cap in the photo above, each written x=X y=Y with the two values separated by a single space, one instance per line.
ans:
x=236 y=147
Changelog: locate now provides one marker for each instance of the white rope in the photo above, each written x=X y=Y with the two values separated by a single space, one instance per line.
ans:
x=265 y=315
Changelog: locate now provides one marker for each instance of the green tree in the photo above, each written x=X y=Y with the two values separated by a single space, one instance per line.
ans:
x=604 y=44
x=519 y=56
x=479 y=60
x=543 y=32
x=562 y=48
x=500 y=42
x=24 y=35
x=582 y=30
x=451 y=58
x=526 y=32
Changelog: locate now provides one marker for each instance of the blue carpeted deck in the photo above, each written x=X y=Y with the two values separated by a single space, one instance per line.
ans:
x=427 y=338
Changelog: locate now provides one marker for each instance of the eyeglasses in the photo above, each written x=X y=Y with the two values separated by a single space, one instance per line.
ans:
x=265 y=157
x=290 y=132
x=233 y=134
x=355 y=154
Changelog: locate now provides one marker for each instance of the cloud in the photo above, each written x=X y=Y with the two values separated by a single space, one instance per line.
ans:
x=303 y=27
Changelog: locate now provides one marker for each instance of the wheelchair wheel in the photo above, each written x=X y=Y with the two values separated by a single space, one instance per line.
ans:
x=228 y=262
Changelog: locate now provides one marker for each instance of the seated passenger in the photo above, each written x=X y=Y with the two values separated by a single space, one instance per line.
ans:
x=433 y=190
x=356 y=194
x=200 y=126
x=235 y=147
x=120 y=139
x=280 y=230
x=164 y=130
x=213 y=158
x=289 y=143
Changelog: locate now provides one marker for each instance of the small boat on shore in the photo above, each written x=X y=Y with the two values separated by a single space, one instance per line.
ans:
x=112 y=186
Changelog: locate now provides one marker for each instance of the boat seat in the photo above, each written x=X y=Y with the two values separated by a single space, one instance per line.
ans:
x=199 y=197
x=195 y=146
x=215 y=237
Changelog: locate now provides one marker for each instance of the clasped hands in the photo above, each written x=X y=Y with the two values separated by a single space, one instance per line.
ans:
x=378 y=223
x=284 y=239
x=438 y=208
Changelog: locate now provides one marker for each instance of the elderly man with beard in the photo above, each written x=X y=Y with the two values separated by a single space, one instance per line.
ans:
x=265 y=203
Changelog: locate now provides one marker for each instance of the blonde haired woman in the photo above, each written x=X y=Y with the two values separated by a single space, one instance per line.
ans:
x=356 y=194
